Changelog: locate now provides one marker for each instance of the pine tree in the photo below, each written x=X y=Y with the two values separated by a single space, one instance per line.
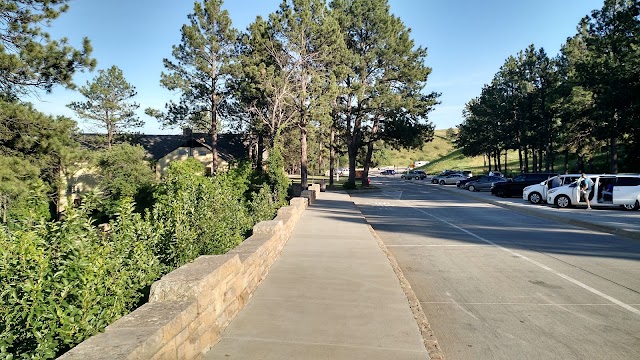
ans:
x=202 y=72
x=108 y=103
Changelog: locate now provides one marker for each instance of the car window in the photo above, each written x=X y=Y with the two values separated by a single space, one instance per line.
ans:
x=519 y=178
x=628 y=181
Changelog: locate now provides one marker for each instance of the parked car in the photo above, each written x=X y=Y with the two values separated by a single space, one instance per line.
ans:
x=388 y=172
x=537 y=193
x=341 y=172
x=484 y=183
x=462 y=182
x=515 y=186
x=625 y=192
x=451 y=179
x=467 y=173
x=436 y=179
x=414 y=175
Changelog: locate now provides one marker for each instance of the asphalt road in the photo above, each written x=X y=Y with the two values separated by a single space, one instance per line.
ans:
x=501 y=284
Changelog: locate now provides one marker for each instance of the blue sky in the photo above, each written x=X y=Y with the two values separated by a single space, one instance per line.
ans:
x=467 y=42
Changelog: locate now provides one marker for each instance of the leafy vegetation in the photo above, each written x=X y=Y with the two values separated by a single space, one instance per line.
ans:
x=62 y=282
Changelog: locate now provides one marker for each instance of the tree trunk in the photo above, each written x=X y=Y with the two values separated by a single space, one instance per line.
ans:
x=367 y=161
x=526 y=160
x=566 y=161
x=214 y=133
x=259 y=154
x=505 y=162
x=303 y=154
x=540 y=158
x=319 y=153
x=614 y=154
x=520 y=162
x=332 y=154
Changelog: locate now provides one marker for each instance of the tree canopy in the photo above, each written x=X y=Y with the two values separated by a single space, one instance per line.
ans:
x=109 y=103
x=29 y=58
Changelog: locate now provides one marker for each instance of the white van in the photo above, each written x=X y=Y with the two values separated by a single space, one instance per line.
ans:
x=537 y=193
x=608 y=191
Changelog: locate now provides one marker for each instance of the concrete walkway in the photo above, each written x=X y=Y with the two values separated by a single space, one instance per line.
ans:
x=332 y=294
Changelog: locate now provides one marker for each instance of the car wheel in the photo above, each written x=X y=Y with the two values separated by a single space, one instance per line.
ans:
x=472 y=188
x=441 y=182
x=635 y=206
x=563 y=201
x=434 y=181
x=535 y=198
x=500 y=193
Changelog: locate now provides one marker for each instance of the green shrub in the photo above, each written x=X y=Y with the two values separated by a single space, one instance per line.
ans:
x=65 y=281
x=198 y=215
x=124 y=172
x=263 y=205
x=62 y=282
x=276 y=177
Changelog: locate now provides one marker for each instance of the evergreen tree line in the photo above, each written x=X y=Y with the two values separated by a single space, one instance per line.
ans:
x=582 y=103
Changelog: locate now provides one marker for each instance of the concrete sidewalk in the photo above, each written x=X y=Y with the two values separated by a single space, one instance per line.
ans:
x=332 y=294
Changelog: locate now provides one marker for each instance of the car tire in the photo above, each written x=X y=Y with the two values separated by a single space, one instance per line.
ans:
x=535 y=198
x=635 y=206
x=563 y=201
x=500 y=193
x=471 y=188
x=434 y=181
x=441 y=182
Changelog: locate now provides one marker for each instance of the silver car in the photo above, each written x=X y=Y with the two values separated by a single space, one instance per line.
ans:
x=451 y=179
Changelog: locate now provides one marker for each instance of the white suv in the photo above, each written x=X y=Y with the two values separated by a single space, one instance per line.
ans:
x=537 y=193
x=608 y=191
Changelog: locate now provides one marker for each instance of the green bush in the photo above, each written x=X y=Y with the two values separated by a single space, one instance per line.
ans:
x=276 y=178
x=124 y=173
x=198 y=215
x=62 y=282
x=263 y=205
x=65 y=281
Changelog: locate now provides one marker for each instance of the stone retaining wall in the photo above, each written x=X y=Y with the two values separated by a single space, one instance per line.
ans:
x=190 y=307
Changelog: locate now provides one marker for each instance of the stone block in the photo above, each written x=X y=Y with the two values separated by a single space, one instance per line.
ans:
x=315 y=187
x=310 y=195
x=168 y=351
x=299 y=202
x=190 y=280
x=267 y=227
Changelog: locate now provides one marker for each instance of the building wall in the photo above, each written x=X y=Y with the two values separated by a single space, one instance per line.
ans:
x=202 y=154
x=74 y=185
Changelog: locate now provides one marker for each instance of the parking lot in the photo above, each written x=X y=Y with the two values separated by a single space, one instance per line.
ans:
x=615 y=221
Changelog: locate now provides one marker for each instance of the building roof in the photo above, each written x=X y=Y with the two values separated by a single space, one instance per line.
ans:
x=230 y=146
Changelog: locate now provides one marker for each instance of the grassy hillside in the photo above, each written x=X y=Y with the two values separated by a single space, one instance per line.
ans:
x=442 y=155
